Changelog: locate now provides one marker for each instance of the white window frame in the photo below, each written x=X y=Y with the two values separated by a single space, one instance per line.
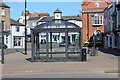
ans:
x=2 y=11
x=97 y=19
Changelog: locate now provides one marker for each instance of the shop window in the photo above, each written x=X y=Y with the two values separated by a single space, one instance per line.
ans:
x=17 y=41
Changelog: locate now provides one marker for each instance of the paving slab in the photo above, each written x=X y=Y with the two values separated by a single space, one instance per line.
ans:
x=16 y=64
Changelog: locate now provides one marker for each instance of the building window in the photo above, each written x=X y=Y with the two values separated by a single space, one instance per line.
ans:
x=34 y=24
x=114 y=22
x=3 y=25
x=55 y=37
x=2 y=11
x=17 y=41
x=97 y=19
x=17 y=29
x=6 y=39
x=97 y=4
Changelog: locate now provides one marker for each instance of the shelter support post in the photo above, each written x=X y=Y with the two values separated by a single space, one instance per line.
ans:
x=32 y=46
x=66 y=46
x=37 y=46
x=51 y=43
x=47 y=46
x=80 y=45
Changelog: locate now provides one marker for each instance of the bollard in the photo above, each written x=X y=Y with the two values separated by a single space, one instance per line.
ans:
x=84 y=55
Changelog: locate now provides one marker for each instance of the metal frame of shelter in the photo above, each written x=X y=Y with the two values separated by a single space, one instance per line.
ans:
x=49 y=28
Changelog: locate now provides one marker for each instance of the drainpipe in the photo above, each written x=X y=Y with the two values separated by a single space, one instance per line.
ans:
x=88 y=26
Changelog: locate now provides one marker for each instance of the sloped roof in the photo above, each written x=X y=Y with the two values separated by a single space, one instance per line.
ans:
x=45 y=19
x=13 y=22
x=86 y=2
x=52 y=24
x=72 y=17
x=57 y=11
x=3 y=5
x=34 y=18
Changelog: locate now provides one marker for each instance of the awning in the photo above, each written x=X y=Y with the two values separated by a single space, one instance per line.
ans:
x=4 y=34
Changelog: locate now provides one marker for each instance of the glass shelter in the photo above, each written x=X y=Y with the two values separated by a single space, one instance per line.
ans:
x=56 y=39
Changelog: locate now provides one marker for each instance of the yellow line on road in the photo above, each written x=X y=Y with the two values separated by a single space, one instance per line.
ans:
x=112 y=71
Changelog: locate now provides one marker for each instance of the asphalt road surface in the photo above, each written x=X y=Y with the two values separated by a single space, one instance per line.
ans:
x=67 y=75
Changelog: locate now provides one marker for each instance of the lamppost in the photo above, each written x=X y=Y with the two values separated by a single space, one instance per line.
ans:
x=2 y=43
x=25 y=29
x=2 y=60
x=2 y=40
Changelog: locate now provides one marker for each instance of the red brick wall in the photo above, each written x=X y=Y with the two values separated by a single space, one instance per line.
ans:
x=87 y=27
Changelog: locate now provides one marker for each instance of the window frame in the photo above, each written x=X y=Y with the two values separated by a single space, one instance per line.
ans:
x=97 y=4
x=3 y=25
x=17 y=41
x=3 y=11
x=97 y=19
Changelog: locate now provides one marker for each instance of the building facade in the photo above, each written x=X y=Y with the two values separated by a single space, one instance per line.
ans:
x=31 y=23
x=17 y=37
x=112 y=28
x=4 y=18
x=29 y=15
x=118 y=24
x=93 y=18
x=32 y=19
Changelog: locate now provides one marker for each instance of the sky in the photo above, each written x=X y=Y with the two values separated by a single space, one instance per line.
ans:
x=67 y=8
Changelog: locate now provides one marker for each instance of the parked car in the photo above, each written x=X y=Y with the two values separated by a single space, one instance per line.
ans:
x=4 y=46
x=89 y=43
x=63 y=43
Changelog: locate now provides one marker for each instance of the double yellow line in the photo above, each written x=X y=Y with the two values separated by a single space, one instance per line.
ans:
x=112 y=71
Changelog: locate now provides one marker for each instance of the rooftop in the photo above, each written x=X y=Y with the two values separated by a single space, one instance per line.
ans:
x=57 y=11
x=13 y=22
x=4 y=5
x=34 y=18
x=45 y=19
x=53 y=24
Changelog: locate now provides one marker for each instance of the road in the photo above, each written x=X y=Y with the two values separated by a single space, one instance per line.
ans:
x=67 y=75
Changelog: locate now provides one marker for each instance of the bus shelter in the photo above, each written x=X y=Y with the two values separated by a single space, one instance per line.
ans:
x=68 y=41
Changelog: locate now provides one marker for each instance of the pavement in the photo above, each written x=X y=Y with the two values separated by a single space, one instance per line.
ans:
x=16 y=65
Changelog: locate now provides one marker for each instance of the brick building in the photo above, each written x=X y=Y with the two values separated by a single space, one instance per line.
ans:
x=93 y=17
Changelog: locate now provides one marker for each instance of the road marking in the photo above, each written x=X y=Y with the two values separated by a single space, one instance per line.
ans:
x=112 y=71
